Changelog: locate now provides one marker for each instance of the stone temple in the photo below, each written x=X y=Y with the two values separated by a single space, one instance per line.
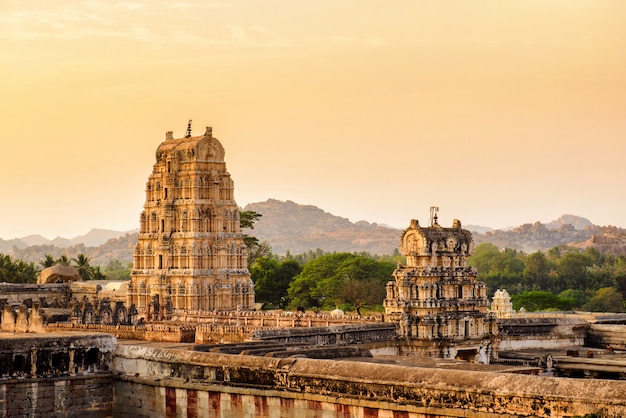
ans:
x=190 y=254
x=441 y=309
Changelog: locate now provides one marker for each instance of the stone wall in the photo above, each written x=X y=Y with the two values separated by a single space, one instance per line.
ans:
x=333 y=335
x=55 y=294
x=607 y=335
x=69 y=396
x=61 y=375
x=544 y=332
x=161 y=382
x=147 y=332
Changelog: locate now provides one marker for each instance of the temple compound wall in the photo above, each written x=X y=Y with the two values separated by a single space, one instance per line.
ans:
x=441 y=309
x=190 y=253
x=60 y=375
x=160 y=382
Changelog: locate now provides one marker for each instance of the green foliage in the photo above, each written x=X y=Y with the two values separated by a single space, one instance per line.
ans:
x=17 y=271
x=271 y=280
x=115 y=270
x=499 y=269
x=537 y=300
x=85 y=270
x=48 y=261
x=606 y=299
x=256 y=249
x=247 y=219
x=334 y=279
x=572 y=298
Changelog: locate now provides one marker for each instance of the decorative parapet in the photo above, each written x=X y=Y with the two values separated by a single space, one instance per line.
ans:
x=28 y=355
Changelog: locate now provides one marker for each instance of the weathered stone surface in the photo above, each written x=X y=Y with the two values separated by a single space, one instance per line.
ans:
x=232 y=381
x=440 y=307
x=58 y=274
x=190 y=253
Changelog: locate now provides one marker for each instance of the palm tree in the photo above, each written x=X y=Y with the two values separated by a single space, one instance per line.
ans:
x=63 y=260
x=84 y=269
x=48 y=261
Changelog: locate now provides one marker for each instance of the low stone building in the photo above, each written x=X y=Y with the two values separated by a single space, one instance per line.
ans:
x=441 y=309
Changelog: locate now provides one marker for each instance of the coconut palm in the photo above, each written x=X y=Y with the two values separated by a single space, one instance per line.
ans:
x=85 y=270
x=48 y=261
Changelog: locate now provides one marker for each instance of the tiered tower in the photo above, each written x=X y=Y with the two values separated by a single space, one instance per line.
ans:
x=190 y=253
x=441 y=308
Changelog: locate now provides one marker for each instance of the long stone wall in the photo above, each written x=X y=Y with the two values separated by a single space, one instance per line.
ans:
x=61 y=375
x=172 y=383
x=88 y=396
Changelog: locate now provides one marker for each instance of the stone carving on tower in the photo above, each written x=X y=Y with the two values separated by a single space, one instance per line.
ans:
x=441 y=309
x=190 y=253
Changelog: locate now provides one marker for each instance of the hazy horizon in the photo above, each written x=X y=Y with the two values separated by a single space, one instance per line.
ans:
x=399 y=227
x=499 y=113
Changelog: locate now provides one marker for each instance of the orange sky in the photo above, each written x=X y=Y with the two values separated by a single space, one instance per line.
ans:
x=498 y=112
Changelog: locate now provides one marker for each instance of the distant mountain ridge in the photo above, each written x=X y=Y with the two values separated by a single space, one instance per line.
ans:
x=289 y=226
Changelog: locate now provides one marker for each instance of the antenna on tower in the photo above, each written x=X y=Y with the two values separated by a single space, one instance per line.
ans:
x=188 y=135
x=433 y=215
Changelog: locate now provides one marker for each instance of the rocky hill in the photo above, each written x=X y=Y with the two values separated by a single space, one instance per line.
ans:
x=288 y=226
x=120 y=248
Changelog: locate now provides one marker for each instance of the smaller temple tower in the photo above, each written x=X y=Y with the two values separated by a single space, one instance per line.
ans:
x=441 y=308
x=502 y=306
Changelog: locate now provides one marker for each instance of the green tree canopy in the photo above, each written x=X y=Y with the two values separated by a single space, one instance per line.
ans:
x=17 y=271
x=325 y=281
x=272 y=278
x=537 y=300
x=606 y=299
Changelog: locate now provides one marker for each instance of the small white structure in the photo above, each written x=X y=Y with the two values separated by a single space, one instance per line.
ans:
x=502 y=306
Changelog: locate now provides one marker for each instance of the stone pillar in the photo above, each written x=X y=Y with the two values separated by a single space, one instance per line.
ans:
x=33 y=361
x=71 y=367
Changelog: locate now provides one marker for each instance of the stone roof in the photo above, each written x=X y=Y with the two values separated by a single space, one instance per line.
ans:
x=58 y=273
x=436 y=239
x=202 y=148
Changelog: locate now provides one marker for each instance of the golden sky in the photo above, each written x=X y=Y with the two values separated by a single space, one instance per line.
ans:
x=499 y=112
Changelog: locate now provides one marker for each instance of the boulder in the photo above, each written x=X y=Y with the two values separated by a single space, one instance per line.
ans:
x=58 y=274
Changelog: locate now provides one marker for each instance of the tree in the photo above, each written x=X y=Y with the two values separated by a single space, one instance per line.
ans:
x=573 y=299
x=272 y=278
x=115 y=270
x=536 y=270
x=325 y=281
x=363 y=293
x=261 y=250
x=63 y=260
x=606 y=299
x=17 y=271
x=48 y=261
x=572 y=269
x=247 y=218
x=84 y=268
x=536 y=300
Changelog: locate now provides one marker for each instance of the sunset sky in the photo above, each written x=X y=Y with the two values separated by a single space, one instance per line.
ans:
x=499 y=112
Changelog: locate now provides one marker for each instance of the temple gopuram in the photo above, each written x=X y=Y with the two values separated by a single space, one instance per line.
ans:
x=190 y=255
x=441 y=309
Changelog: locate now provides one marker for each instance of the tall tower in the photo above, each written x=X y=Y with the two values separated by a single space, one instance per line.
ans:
x=190 y=253
x=441 y=308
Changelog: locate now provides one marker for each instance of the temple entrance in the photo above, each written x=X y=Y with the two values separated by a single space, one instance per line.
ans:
x=466 y=355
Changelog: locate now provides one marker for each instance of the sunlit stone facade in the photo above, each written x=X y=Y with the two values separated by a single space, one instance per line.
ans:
x=441 y=308
x=502 y=306
x=190 y=253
